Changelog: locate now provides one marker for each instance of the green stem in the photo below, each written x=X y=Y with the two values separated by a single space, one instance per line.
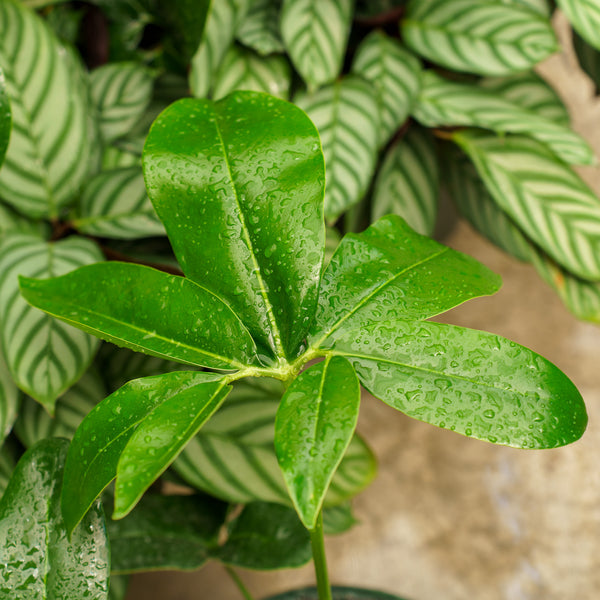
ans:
x=318 y=550
x=240 y=584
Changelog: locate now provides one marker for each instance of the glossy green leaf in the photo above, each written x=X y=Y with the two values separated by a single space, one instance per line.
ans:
x=478 y=36
x=332 y=241
x=37 y=559
x=160 y=314
x=389 y=272
x=338 y=519
x=44 y=356
x=186 y=21
x=54 y=138
x=447 y=103
x=407 y=184
x=239 y=186
x=165 y=532
x=5 y=118
x=103 y=435
x=584 y=16
x=315 y=423
x=545 y=198
x=9 y=399
x=114 y=204
x=265 y=537
x=260 y=29
x=315 y=33
x=347 y=117
x=395 y=74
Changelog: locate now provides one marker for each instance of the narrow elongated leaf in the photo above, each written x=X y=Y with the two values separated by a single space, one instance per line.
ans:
x=347 y=117
x=388 y=272
x=444 y=102
x=315 y=33
x=315 y=423
x=472 y=382
x=545 y=198
x=5 y=118
x=9 y=400
x=54 y=139
x=114 y=204
x=395 y=74
x=162 y=315
x=478 y=36
x=239 y=186
x=584 y=16
x=260 y=29
x=41 y=562
x=407 y=184
x=45 y=357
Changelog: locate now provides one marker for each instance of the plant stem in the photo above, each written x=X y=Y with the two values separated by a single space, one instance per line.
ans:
x=240 y=584
x=318 y=550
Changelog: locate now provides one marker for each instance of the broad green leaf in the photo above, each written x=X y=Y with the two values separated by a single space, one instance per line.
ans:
x=160 y=314
x=260 y=29
x=239 y=186
x=41 y=562
x=114 y=204
x=315 y=33
x=265 y=537
x=338 y=519
x=407 y=184
x=332 y=241
x=45 y=357
x=478 y=36
x=244 y=70
x=388 y=272
x=54 y=138
x=5 y=118
x=12 y=222
x=186 y=21
x=541 y=7
x=314 y=425
x=165 y=532
x=9 y=400
x=395 y=74
x=8 y=462
x=472 y=382
x=446 y=103
x=584 y=16
x=103 y=435
x=347 y=117
x=543 y=196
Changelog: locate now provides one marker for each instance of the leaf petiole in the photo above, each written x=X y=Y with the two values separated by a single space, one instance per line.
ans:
x=318 y=548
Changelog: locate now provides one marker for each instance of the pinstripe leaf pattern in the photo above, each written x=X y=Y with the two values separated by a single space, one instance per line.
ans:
x=11 y=222
x=315 y=33
x=7 y=465
x=444 y=102
x=539 y=6
x=121 y=93
x=5 y=118
x=543 y=195
x=395 y=74
x=9 y=400
x=244 y=70
x=478 y=36
x=233 y=457
x=407 y=184
x=44 y=356
x=584 y=16
x=115 y=205
x=54 y=138
x=114 y=157
x=346 y=115
x=260 y=29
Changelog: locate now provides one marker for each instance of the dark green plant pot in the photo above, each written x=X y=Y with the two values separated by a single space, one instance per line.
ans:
x=339 y=593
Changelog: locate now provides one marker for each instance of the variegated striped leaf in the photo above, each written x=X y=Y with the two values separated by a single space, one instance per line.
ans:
x=44 y=356
x=539 y=6
x=407 y=184
x=543 y=195
x=222 y=22
x=260 y=29
x=244 y=70
x=589 y=59
x=315 y=33
x=53 y=142
x=8 y=462
x=347 y=117
x=11 y=222
x=395 y=75
x=5 y=118
x=114 y=204
x=478 y=36
x=446 y=103
x=115 y=157
x=584 y=16
x=121 y=93
x=9 y=400
x=233 y=456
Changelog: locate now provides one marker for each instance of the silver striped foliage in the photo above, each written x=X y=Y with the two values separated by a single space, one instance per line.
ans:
x=478 y=36
x=233 y=457
x=447 y=103
x=5 y=118
x=8 y=463
x=260 y=29
x=584 y=16
x=121 y=92
x=407 y=184
x=395 y=75
x=224 y=18
x=347 y=117
x=315 y=33
x=10 y=222
x=9 y=400
x=44 y=356
x=53 y=142
x=115 y=157
x=589 y=59
x=243 y=69
x=114 y=204
x=543 y=196
x=539 y=6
